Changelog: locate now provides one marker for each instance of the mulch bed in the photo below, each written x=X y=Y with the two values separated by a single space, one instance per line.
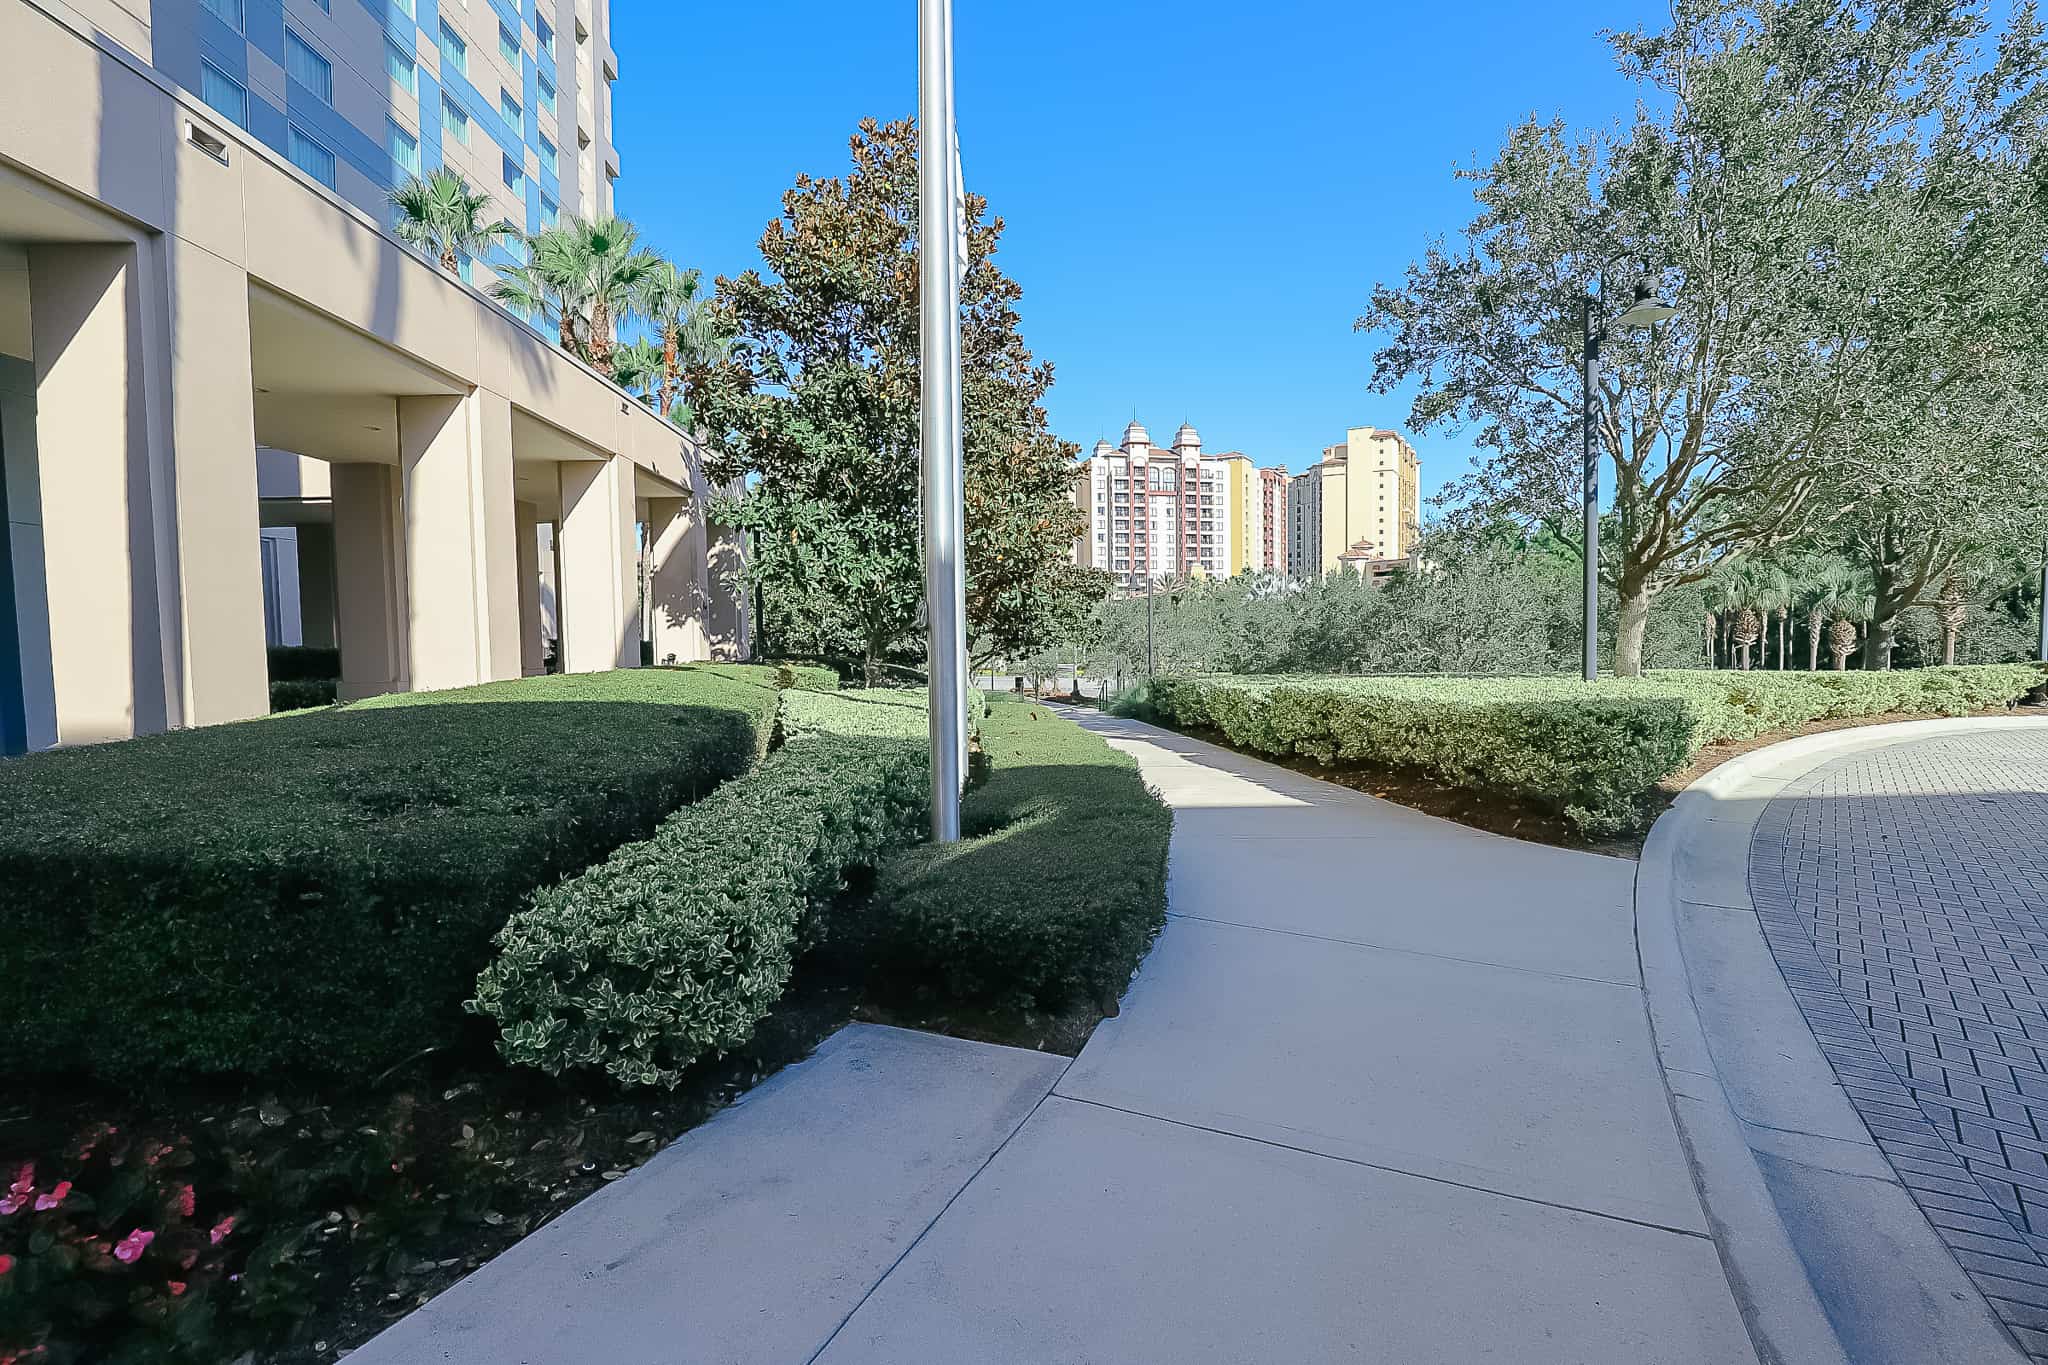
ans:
x=402 y=1188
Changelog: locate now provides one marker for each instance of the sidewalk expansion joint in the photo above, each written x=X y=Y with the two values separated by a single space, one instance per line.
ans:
x=925 y=1231
x=1393 y=1170
x=1409 y=952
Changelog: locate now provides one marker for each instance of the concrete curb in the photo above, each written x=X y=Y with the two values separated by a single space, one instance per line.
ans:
x=1829 y=1257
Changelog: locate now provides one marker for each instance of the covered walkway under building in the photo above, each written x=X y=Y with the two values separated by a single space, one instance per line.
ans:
x=198 y=342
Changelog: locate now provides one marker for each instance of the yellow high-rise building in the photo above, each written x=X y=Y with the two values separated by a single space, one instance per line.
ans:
x=1360 y=506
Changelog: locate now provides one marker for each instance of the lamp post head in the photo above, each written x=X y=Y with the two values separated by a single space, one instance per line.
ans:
x=1646 y=309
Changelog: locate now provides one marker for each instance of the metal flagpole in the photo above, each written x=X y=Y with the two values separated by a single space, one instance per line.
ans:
x=1591 y=490
x=939 y=363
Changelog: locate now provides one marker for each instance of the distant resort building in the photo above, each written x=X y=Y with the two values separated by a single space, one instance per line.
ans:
x=1154 y=513
x=1358 y=508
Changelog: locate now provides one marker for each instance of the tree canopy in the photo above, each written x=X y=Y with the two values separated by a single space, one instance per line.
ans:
x=815 y=403
x=1828 y=191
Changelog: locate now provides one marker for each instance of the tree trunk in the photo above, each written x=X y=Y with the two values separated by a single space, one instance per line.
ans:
x=1710 y=639
x=1631 y=621
x=601 y=335
x=1813 y=624
x=1954 y=611
x=1784 y=632
x=670 y=365
x=1841 y=643
x=450 y=262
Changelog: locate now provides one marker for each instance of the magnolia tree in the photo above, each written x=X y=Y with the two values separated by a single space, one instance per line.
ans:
x=816 y=403
x=1756 y=186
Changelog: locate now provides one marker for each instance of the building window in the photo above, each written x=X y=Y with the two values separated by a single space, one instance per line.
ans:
x=310 y=157
x=515 y=178
x=550 y=212
x=229 y=12
x=406 y=6
x=454 y=52
x=550 y=159
x=547 y=93
x=405 y=150
x=508 y=46
x=454 y=122
x=223 y=94
x=403 y=70
x=308 y=67
x=509 y=107
x=545 y=32
x=465 y=269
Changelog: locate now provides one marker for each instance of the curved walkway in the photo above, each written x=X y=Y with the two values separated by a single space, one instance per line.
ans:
x=1384 y=1092
x=1904 y=892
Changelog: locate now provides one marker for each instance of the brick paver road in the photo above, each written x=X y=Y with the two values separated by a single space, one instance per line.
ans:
x=1904 y=891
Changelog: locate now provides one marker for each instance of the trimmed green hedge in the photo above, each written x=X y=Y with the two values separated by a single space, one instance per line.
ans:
x=674 y=948
x=302 y=694
x=304 y=663
x=1586 y=751
x=318 y=892
x=1058 y=887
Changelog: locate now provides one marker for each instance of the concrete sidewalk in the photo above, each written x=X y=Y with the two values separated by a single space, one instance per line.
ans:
x=1384 y=1091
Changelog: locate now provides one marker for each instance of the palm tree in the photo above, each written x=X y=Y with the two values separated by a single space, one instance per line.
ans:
x=637 y=367
x=1772 y=590
x=585 y=275
x=550 y=285
x=1723 y=592
x=1828 y=580
x=444 y=218
x=671 y=301
x=1850 y=608
x=1748 y=630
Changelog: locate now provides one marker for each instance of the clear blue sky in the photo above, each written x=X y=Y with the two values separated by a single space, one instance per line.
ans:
x=1200 y=195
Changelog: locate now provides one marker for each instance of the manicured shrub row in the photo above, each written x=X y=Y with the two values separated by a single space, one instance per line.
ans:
x=675 y=947
x=1057 y=889
x=1588 y=752
x=302 y=694
x=303 y=663
x=1743 y=705
x=318 y=892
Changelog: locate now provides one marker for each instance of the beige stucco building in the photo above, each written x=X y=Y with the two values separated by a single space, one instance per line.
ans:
x=1359 y=507
x=175 y=294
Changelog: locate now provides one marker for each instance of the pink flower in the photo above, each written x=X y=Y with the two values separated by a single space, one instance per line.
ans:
x=185 y=1200
x=176 y=1287
x=222 y=1229
x=56 y=1196
x=6 y=1263
x=12 y=1203
x=133 y=1245
x=24 y=1180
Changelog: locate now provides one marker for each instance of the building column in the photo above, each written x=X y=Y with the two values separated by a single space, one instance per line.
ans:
x=677 y=582
x=219 y=522
x=369 y=576
x=727 y=618
x=316 y=585
x=28 y=710
x=526 y=535
x=98 y=576
x=461 y=562
x=595 y=542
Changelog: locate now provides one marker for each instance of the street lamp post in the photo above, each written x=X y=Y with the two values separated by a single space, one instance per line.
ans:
x=2043 y=651
x=1644 y=312
x=1150 y=585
